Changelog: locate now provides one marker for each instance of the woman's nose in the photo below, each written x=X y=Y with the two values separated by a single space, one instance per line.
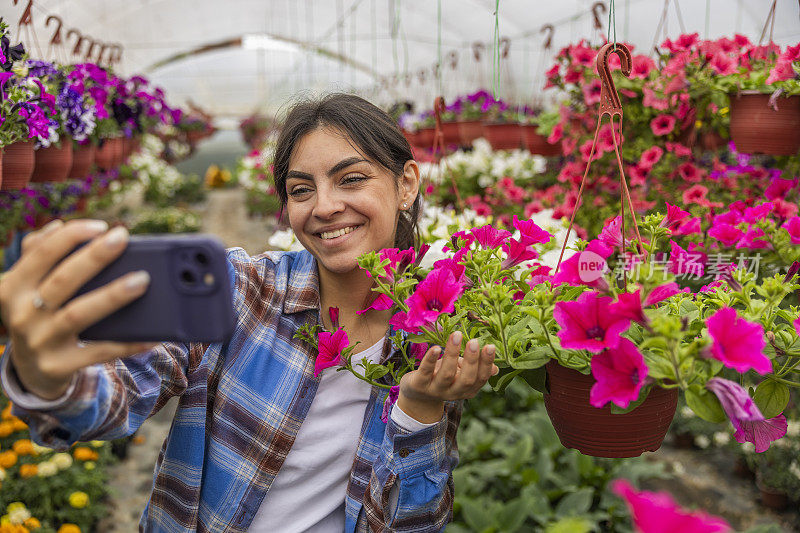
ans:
x=327 y=203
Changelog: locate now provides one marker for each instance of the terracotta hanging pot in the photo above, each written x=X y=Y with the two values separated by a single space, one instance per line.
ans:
x=505 y=136
x=450 y=133
x=757 y=128
x=537 y=143
x=772 y=498
x=53 y=163
x=109 y=154
x=599 y=432
x=82 y=159
x=425 y=137
x=469 y=130
x=18 y=162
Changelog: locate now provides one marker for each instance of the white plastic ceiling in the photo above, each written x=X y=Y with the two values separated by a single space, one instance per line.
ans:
x=377 y=47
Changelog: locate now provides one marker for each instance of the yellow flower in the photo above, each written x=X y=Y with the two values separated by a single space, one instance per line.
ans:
x=62 y=460
x=23 y=447
x=698 y=124
x=69 y=528
x=27 y=470
x=17 y=512
x=2 y=474
x=6 y=429
x=724 y=110
x=8 y=459
x=47 y=469
x=18 y=425
x=89 y=465
x=97 y=443
x=41 y=449
x=82 y=453
x=32 y=523
x=79 y=499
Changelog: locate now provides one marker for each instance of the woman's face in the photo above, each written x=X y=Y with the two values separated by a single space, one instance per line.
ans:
x=340 y=204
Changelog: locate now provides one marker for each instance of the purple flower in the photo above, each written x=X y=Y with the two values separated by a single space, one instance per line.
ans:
x=747 y=420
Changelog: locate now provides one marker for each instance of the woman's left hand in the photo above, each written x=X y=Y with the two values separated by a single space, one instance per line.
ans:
x=424 y=391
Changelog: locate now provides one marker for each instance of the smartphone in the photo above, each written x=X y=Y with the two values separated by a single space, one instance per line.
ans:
x=189 y=297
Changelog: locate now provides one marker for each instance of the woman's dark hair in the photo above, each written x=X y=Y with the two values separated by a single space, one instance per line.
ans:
x=371 y=129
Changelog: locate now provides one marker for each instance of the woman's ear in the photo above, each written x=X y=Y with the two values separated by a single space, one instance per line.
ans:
x=409 y=184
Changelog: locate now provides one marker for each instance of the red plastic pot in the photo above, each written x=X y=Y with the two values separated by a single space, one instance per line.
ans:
x=82 y=159
x=469 y=130
x=109 y=154
x=537 y=143
x=52 y=163
x=597 y=431
x=18 y=162
x=503 y=136
x=450 y=133
x=425 y=137
x=757 y=128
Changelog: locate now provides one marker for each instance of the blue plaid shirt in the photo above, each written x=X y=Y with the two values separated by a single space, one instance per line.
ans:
x=240 y=407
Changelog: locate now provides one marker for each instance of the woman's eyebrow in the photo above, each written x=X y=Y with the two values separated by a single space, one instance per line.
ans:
x=341 y=165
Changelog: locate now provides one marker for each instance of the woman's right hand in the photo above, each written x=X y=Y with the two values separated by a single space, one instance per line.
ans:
x=43 y=325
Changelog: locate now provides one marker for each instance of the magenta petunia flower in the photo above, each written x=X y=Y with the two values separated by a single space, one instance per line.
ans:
x=333 y=312
x=398 y=261
x=650 y=157
x=796 y=324
x=656 y=512
x=330 y=346
x=588 y=323
x=418 y=350
x=725 y=233
x=753 y=240
x=662 y=292
x=662 y=125
x=674 y=217
x=611 y=234
x=739 y=344
x=381 y=303
x=747 y=420
x=389 y=401
x=792 y=226
x=530 y=233
x=620 y=373
x=641 y=66
x=516 y=253
x=629 y=305
x=723 y=64
x=489 y=237
x=400 y=321
x=434 y=295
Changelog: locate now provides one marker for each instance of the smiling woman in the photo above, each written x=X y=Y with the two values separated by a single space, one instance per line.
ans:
x=268 y=437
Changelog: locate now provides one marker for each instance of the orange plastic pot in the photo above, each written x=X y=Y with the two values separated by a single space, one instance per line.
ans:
x=503 y=136
x=469 y=130
x=597 y=431
x=757 y=128
x=52 y=163
x=537 y=143
x=18 y=162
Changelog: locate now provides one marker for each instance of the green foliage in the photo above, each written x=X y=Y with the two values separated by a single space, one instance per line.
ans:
x=166 y=220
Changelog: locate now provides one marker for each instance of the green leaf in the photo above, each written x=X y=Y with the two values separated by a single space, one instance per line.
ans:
x=502 y=380
x=633 y=405
x=576 y=503
x=570 y=525
x=512 y=515
x=535 y=377
x=535 y=358
x=705 y=404
x=771 y=397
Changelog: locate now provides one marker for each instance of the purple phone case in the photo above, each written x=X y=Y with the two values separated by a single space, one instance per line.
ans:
x=189 y=297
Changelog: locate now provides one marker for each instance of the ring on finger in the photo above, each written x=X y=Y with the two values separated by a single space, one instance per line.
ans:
x=38 y=302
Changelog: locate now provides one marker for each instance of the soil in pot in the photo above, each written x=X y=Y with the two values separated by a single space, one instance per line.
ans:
x=599 y=432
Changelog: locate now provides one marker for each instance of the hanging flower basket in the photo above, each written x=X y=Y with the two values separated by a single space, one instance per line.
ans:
x=109 y=154
x=597 y=431
x=537 y=143
x=469 y=130
x=758 y=128
x=18 y=162
x=52 y=163
x=424 y=137
x=450 y=132
x=503 y=136
x=82 y=159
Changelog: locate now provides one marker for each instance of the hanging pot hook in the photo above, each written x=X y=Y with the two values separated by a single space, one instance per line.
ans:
x=550 y=30
x=598 y=6
x=56 y=39
x=505 y=45
x=78 y=41
x=477 y=48
x=610 y=103
x=452 y=57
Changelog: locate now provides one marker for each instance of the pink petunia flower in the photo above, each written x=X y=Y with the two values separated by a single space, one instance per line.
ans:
x=797 y=325
x=678 y=149
x=381 y=303
x=723 y=64
x=696 y=194
x=629 y=305
x=388 y=402
x=759 y=212
x=662 y=292
x=792 y=226
x=418 y=350
x=650 y=157
x=657 y=512
x=690 y=173
x=662 y=125
x=330 y=347
x=586 y=151
x=589 y=324
x=333 y=313
x=642 y=66
x=591 y=92
x=675 y=216
x=620 y=373
x=611 y=234
x=753 y=240
x=489 y=237
x=516 y=253
x=739 y=344
x=682 y=262
x=780 y=72
x=400 y=321
x=726 y=234
x=778 y=188
x=434 y=295
x=530 y=233
x=747 y=420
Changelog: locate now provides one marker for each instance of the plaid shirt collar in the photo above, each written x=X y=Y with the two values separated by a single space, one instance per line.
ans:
x=302 y=292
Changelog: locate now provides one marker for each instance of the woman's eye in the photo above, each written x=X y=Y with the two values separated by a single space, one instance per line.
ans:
x=353 y=178
x=299 y=191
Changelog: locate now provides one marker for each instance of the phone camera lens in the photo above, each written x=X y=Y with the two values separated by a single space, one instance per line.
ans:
x=188 y=277
x=201 y=258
